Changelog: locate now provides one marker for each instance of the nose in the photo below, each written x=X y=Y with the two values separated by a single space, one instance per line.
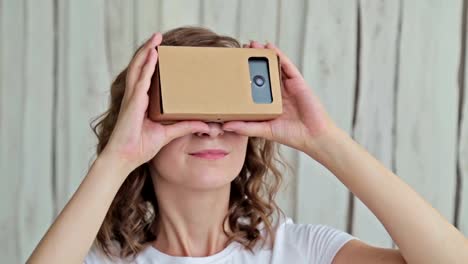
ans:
x=215 y=130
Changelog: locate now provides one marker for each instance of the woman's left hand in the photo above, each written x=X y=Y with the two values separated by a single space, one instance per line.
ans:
x=303 y=119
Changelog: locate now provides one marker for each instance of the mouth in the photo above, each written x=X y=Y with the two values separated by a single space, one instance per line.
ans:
x=211 y=154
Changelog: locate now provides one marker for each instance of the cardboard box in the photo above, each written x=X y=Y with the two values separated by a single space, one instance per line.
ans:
x=211 y=84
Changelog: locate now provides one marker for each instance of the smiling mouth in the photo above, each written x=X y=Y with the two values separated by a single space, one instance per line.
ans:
x=210 y=156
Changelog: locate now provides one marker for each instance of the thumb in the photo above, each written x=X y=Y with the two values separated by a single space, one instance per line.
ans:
x=251 y=129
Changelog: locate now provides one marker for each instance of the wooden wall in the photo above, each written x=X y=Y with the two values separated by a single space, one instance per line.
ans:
x=391 y=73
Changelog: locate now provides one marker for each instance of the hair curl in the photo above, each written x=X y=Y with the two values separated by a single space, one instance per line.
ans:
x=130 y=218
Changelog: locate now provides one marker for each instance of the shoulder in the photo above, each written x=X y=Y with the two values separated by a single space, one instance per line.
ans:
x=318 y=243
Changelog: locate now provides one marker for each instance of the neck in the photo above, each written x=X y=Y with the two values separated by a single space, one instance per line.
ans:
x=190 y=222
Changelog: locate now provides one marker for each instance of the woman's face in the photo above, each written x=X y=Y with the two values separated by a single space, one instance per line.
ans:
x=177 y=166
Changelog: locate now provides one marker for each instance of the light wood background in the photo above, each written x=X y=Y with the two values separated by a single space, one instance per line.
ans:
x=391 y=73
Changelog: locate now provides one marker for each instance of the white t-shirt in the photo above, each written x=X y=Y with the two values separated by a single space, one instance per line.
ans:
x=294 y=243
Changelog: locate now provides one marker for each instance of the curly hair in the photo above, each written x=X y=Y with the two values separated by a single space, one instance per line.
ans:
x=130 y=218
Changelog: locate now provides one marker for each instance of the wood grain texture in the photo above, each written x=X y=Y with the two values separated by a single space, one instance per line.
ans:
x=119 y=33
x=12 y=107
x=376 y=103
x=176 y=13
x=463 y=143
x=221 y=16
x=26 y=105
x=329 y=66
x=427 y=98
x=253 y=25
x=83 y=89
x=147 y=20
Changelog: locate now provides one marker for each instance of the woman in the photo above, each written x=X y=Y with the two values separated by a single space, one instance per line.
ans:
x=148 y=198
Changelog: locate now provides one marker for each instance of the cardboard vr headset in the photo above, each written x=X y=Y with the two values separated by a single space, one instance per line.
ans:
x=215 y=84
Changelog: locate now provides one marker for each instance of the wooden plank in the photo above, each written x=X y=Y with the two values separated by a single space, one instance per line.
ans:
x=83 y=89
x=375 y=105
x=147 y=20
x=329 y=67
x=26 y=101
x=11 y=126
x=177 y=13
x=119 y=34
x=258 y=20
x=462 y=221
x=290 y=40
x=221 y=16
x=427 y=101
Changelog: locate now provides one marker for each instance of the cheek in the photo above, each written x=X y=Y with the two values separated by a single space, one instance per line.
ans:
x=168 y=157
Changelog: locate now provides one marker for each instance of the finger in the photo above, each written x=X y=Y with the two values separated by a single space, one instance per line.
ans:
x=138 y=61
x=251 y=129
x=140 y=55
x=147 y=71
x=183 y=128
x=287 y=66
x=256 y=45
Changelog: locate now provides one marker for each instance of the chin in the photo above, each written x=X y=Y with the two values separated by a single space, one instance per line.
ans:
x=209 y=179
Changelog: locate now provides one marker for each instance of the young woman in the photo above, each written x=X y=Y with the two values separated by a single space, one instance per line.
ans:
x=153 y=195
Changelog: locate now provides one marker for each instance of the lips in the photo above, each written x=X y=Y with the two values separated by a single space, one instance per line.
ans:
x=210 y=151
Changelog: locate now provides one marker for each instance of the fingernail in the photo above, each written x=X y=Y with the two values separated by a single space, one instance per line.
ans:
x=228 y=129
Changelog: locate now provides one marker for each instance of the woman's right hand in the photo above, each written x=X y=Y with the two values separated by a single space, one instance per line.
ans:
x=135 y=138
